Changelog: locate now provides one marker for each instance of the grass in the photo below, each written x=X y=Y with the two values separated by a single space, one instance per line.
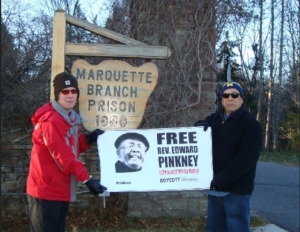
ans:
x=128 y=224
x=285 y=158
x=166 y=225
x=257 y=221
x=156 y=224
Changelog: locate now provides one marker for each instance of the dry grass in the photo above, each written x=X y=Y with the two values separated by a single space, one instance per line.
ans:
x=84 y=221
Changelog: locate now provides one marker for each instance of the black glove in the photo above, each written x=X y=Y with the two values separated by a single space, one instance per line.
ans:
x=92 y=137
x=213 y=186
x=94 y=186
x=202 y=123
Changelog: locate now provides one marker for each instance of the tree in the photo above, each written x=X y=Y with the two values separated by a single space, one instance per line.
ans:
x=229 y=68
x=270 y=82
x=279 y=82
x=19 y=62
x=8 y=64
x=261 y=61
x=290 y=124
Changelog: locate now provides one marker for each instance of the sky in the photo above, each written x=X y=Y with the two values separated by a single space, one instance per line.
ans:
x=98 y=7
x=90 y=7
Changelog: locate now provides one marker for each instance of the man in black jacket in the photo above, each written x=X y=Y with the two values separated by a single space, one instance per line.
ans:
x=236 y=141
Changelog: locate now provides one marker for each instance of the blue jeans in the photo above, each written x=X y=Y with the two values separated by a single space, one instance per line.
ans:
x=47 y=216
x=230 y=213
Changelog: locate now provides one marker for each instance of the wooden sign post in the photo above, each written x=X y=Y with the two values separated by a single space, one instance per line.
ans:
x=113 y=94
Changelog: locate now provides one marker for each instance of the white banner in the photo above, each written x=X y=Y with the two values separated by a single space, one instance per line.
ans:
x=164 y=159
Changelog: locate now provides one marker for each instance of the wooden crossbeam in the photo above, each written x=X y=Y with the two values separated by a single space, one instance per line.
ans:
x=115 y=50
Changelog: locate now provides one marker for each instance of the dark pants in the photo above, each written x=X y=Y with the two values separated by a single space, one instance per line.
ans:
x=230 y=213
x=47 y=216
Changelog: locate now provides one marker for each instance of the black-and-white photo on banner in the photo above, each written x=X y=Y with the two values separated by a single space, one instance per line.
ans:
x=155 y=159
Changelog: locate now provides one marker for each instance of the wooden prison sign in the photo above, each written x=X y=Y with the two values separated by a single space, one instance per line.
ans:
x=113 y=94
x=118 y=100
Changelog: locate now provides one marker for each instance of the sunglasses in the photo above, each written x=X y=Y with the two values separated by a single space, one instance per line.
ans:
x=67 y=91
x=233 y=95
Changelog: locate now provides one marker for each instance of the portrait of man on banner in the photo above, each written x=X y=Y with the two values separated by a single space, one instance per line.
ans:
x=131 y=151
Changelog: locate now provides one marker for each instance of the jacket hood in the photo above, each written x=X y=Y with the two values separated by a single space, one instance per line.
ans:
x=46 y=110
x=42 y=113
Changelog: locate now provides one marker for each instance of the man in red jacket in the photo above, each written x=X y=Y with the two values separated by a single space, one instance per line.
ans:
x=54 y=164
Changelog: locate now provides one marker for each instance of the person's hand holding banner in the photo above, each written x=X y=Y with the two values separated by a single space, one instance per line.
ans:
x=92 y=137
x=213 y=186
x=202 y=123
x=94 y=186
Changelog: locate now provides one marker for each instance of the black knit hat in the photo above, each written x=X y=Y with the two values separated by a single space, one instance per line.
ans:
x=134 y=136
x=64 y=80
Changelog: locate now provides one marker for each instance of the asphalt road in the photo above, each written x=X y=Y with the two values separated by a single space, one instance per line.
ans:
x=276 y=195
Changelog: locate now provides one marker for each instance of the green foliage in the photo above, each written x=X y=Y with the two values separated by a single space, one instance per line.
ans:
x=257 y=221
x=290 y=131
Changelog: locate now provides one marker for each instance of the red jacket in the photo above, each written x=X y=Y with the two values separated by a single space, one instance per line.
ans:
x=54 y=165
